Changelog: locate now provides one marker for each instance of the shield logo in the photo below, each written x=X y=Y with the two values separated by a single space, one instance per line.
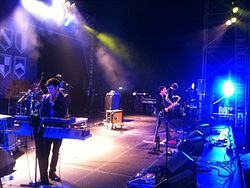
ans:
x=6 y=38
x=19 y=66
x=20 y=42
x=5 y=64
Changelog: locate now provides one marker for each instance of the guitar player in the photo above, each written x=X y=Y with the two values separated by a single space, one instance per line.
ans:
x=163 y=106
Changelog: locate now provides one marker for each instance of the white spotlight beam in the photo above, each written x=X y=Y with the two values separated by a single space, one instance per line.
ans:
x=36 y=8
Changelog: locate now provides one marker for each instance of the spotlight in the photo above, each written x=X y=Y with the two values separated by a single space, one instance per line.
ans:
x=68 y=20
x=228 y=22
x=233 y=19
x=235 y=9
x=193 y=86
x=228 y=88
x=37 y=8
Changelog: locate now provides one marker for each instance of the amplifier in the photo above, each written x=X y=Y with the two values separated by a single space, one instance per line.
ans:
x=114 y=118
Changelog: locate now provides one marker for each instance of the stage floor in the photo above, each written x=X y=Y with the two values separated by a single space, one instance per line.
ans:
x=110 y=158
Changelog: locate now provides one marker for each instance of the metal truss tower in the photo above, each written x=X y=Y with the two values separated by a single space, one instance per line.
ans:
x=226 y=54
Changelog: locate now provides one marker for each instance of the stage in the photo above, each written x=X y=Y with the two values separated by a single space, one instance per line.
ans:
x=111 y=158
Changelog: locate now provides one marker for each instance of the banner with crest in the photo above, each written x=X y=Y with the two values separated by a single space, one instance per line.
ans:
x=17 y=69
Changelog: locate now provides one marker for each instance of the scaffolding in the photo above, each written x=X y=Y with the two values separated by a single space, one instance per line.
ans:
x=225 y=54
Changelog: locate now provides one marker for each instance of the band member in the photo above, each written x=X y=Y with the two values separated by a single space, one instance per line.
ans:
x=163 y=107
x=54 y=104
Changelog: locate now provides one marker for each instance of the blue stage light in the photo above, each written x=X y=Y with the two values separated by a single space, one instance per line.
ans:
x=228 y=88
x=68 y=20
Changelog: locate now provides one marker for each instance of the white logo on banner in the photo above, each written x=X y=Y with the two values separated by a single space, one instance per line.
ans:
x=6 y=36
x=5 y=64
x=19 y=66
x=20 y=42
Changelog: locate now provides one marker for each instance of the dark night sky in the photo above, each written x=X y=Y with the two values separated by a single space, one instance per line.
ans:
x=166 y=36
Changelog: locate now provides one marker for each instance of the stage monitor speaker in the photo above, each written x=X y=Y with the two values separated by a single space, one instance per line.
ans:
x=194 y=143
x=180 y=162
x=194 y=134
x=7 y=163
x=205 y=128
x=186 y=179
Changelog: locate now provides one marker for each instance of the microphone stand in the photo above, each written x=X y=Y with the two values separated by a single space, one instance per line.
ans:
x=67 y=85
x=167 y=139
x=33 y=120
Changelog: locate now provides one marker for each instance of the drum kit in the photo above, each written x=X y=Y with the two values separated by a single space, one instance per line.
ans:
x=29 y=102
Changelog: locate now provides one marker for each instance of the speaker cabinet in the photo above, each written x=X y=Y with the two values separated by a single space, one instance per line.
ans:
x=181 y=173
x=205 y=129
x=7 y=163
x=195 y=134
x=186 y=179
x=194 y=143
x=201 y=89
x=181 y=162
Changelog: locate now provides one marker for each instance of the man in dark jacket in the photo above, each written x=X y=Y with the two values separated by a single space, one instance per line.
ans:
x=54 y=104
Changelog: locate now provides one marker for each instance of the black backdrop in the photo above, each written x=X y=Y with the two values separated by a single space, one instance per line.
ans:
x=65 y=56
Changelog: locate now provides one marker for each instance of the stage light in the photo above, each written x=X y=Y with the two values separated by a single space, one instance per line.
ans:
x=235 y=9
x=68 y=20
x=90 y=30
x=233 y=19
x=193 y=86
x=67 y=4
x=228 y=22
x=58 y=12
x=36 y=8
x=228 y=88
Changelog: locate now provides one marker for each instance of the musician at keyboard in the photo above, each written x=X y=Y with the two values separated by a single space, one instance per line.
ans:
x=54 y=104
